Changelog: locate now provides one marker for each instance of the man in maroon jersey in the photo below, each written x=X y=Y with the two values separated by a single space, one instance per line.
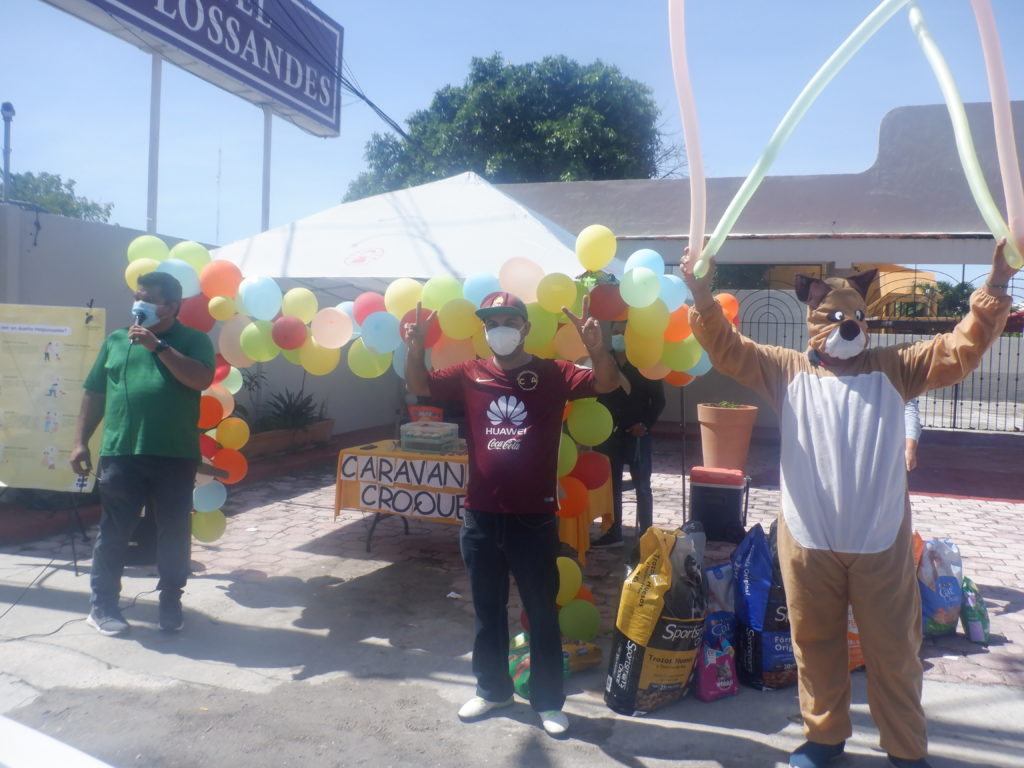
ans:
x=513 y=403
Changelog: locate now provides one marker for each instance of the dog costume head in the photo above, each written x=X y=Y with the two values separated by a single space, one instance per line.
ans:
x=836 y=313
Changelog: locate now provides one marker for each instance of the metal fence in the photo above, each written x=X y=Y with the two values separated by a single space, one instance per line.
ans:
x=990 y=399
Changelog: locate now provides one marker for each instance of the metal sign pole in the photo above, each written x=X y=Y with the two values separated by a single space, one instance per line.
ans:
x=267 y=125
x=154 y=143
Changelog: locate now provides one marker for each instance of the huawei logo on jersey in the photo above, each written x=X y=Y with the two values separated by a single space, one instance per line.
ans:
x=506 y=410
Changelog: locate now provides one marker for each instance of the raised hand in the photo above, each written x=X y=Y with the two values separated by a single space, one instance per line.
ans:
x=999 y=280
x=700 y=287
x=416 y=333
x=587 y=327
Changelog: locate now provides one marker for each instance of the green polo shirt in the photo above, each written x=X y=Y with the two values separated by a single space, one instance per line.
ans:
x=147 y=410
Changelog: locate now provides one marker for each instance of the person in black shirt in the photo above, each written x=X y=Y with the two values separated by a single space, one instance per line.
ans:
x=634 y=413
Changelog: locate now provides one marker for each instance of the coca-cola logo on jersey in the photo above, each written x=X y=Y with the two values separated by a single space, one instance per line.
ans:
x=506 y=414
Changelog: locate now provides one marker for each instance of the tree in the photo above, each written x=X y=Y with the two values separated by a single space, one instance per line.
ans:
x=50 y=192
x=553 y=120
x=954 y=300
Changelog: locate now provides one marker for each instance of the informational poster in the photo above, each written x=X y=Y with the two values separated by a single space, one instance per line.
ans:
x=45 y=355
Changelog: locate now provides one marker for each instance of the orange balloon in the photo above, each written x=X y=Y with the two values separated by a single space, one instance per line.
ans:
x=679 y=378
x=567 y=410
x=574 y=500
x=678 y=324
x=568 y=343
x=585 y=594
x=730 y=305
x=655 y=372
x=220 y=278
x=232 y=462
x=448 y=351
x=210 y=412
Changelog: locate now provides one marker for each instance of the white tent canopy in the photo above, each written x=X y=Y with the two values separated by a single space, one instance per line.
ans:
x=458 y=226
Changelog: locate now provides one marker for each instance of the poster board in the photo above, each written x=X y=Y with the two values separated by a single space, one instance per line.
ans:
x=45 y=355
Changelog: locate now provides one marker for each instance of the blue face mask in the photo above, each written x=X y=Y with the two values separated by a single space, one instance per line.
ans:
x=148 y=312
x=618 y=342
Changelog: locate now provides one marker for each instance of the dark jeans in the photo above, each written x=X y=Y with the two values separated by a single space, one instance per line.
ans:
x=494 y=545
x=127 y=484
x=622 y=449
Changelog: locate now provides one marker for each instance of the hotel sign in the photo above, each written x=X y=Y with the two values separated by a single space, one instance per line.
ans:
x=285 y=54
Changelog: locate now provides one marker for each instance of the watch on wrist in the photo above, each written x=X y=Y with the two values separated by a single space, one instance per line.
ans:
x=161 y=345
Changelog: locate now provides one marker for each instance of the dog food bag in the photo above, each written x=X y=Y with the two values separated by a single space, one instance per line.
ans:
x=721 y=619
x=716 y=671
x=763 y=641
x=974 y=614
x=939 y=577
x=659 y=625
x=577 y=655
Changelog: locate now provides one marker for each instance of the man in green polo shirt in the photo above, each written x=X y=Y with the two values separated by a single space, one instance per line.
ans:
x=145 y=388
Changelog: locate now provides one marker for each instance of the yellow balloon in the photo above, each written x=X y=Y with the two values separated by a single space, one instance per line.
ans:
x=480 y=345
x=555 y=291
x=193 y=254
x=221 y=308
x=590 y=423
x=570 y=579
x=300 y=303
x=364 y=363
x=233 y=433
x=318 y=360
x=458 y=319
x=208 y=526
x=567 y=455
x=643 y=351
x=147 y=247
x=137 y=269
x=402 y=295
x=651 y=320
x=595 y=247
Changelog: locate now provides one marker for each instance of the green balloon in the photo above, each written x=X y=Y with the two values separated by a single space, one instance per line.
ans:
x=639 y=287
x=192 y=253
x=208 y=526
x=681 y=355
x=257 y=341
x=579 y=620
x=567 y=455
x=147 y=247
x=543 y=325
x=438 y=291
x=233 y=382
x=366 y=364
x=590 y=423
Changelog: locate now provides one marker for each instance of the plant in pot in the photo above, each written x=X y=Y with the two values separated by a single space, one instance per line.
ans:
x=288 y=420
x=725 y=431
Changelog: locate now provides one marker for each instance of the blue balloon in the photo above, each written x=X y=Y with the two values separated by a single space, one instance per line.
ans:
x=645 y=257
x=262 y=297
x=702 y=366
x=674 y=292
x=380 y=332
x=398 y=360
x=479 y=285
x=184 y=273
x=206 y=498
x=349 y=308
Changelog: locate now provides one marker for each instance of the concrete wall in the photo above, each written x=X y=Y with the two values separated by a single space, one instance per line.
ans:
x=55 y=261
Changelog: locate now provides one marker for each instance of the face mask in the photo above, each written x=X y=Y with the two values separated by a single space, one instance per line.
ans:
x=148 y=312
x=618 y=342
x=503 y=340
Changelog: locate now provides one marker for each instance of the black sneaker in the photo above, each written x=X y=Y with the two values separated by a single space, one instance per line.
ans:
x=171 y=617
x=107 y=621
x=609 y=539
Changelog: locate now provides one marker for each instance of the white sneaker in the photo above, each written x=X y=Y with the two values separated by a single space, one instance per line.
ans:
x=477 y=707
x=555 y=722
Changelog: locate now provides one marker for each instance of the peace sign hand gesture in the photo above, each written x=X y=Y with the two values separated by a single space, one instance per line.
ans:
x=416 y=333
x=586 y=326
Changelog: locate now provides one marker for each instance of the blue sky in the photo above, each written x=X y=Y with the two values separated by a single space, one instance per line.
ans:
x=82 y=96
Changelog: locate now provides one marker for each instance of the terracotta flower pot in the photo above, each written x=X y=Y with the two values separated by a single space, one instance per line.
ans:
x=282 y=440
x=725 y=434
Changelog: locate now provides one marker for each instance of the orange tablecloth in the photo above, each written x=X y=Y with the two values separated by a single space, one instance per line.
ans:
x=381 y=477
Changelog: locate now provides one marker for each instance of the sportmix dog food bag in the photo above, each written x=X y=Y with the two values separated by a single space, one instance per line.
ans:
x=939 y=576
x=764 y=644
x=659 y=626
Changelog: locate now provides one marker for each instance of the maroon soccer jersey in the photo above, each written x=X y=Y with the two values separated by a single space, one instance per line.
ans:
x=513 y=423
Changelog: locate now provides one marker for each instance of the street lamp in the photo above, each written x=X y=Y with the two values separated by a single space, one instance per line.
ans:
x=7 y=110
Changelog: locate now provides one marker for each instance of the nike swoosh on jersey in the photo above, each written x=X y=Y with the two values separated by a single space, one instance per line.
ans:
x=483 y=381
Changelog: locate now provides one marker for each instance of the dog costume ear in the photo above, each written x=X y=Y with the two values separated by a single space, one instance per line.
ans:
x=811 y=291
x=862 y=281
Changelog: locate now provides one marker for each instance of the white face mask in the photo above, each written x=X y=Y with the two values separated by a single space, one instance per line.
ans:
x=503 y=340
x=148 y=312
x=618 y=342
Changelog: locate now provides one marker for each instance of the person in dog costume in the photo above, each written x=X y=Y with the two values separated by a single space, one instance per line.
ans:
x=844 y=526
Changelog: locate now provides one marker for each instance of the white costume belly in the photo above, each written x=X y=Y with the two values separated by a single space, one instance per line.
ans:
x=843 y=473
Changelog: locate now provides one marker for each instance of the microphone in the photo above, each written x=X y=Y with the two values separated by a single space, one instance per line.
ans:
x=140 y=318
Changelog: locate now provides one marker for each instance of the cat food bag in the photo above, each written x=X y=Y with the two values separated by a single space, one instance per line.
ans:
x=939 y=577
x=720 y=623
x=659 y=625
x=716 y=671
x=764 y=643
x=974 y=614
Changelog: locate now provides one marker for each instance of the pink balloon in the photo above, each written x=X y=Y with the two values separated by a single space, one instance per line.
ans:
x=332 y=328
x=229 y=344
x=366 y=304
x=691 y=131
x=520 y=276
x=289 y=332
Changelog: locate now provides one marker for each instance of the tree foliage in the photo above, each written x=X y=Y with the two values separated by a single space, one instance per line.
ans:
x=954 y=300
x=553 y=120
x=52 y=193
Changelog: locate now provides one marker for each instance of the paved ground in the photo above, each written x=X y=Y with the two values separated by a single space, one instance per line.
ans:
x=302 y=649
